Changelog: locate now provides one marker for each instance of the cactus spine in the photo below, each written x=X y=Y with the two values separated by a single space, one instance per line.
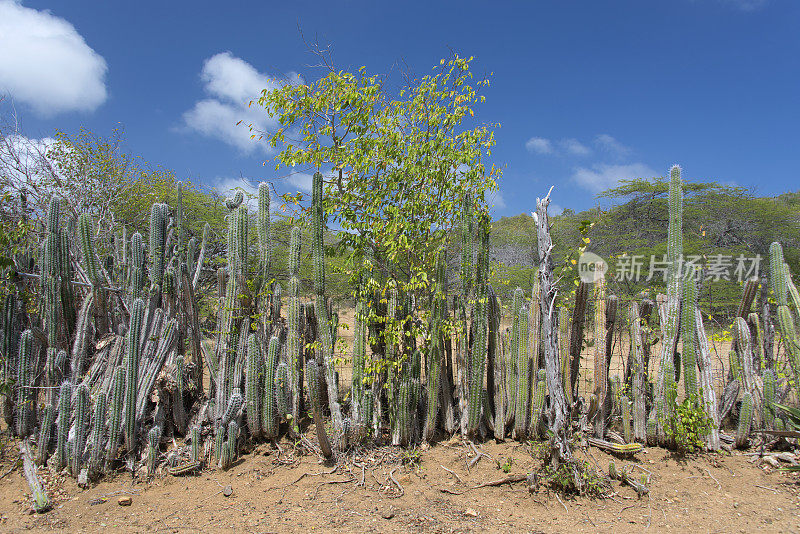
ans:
x=64 y=407
x=45 y=434
x=689 y=354
x=600 y=364
x=253 y=377
x=745 y=420
x=293 y=340
x=523 y=377
x=670 y=328
x=270 y=423
x=98 y=434
x=25 y=392
x=81 y=407
x=314 y=392
x=627 y=432
x=132 y=373
x=115 y=414
x=563 y=351
x=538 y=402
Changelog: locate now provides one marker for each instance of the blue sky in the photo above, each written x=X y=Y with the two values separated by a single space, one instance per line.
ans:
x=586 y=92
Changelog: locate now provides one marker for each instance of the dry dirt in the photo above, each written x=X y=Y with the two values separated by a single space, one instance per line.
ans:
x=274 y=492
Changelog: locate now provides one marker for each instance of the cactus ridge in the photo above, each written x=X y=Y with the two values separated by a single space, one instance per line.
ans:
x=64 y=408
x=253 y=377
x=81 y=407
x=270 y=420
x=689 y=335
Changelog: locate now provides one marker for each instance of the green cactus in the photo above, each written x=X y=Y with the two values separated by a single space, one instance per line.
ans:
x=651 y=430
x=777 y=274
x=538 y=402
x=523 y=377
x=231 y=451
x=436 y=345
x=689 y=335
x=136 y=276
x=87 y=245
x=627 y=432
x=64 y=407
x=270 y=421
x=359 y=360
x=264 y=238
x=253 y=377
x=294 y=342
x=219 y=443
x=153 y=439
x=314 y=393
x=79 y=445
x=234 y=405
x=26 y=408
x=195 y=451
x=769 y=398
x=563 y=351
x=282 y=391
x=159 y=215
x=600 y=362
x=745 y=420
x=45 y=434
x=512 y=365
x=98 y=434
x=115 y=414
x=477 y=361
x=675 y=229
x=132 y=372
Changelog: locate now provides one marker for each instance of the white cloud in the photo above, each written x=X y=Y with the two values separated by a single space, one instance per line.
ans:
x=574 y=147
x=301 y=181
x=610 y=144
x=540 y=145
x=601 y=176
x=46 y=63
x=231 y=84
x=24 y=160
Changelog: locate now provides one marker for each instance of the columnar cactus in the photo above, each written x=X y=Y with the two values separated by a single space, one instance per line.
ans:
x=688 y=333
x=294 y=342
x=64 y=408
x=359 y=362
x=195 y=450
x=538 y=402
x=98 y=434
x=436 y=345
x=45 y=434
x=132 y=373
x=638 y=378
x=777 y=274
x=670 y=328
x=232 y=410
x=252 y=385
x=87 y=245
x=324 y=324
x=600 y=363
x=282 y=392
x=231 y=451
x=745 y=420
x=563 y=351
x=25 y=392
x=115 y=414
x=625 y=406
x=264 y=238
x=516 y=304
x=477 y=361
x=136 y=275
x=270 y=421
x=314 y=394
x=769 y=398
x=79 y=445
x=159 y=216
x=153 y=438
x=523 y=377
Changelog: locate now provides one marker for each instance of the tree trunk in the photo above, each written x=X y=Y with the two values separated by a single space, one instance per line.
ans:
x=560 y=451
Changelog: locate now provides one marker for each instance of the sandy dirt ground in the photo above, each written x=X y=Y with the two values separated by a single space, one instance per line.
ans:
x=384 y=490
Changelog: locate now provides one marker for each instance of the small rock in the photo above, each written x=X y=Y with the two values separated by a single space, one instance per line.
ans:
x=736 y=505
x=388 y=514
x=469 y=512
x=125 y=501
x=227 y=491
